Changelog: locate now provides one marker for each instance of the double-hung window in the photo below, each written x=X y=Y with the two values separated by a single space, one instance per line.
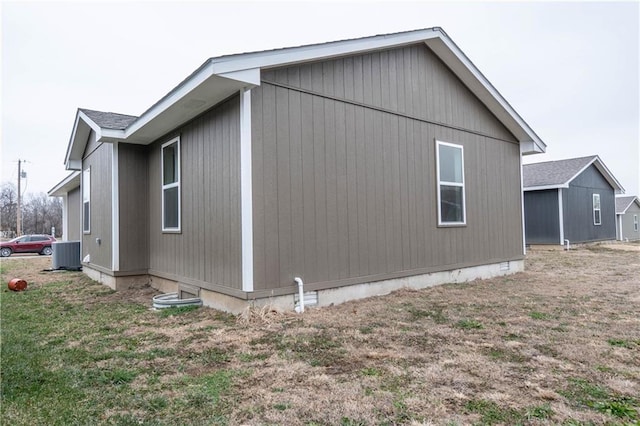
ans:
x=171 y=186
x=451 y=196
x=86 y=200
x=597 y=219
x=635 y=222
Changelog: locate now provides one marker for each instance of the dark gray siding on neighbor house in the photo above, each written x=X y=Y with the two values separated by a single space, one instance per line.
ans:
x=207 y=252
x=628 y=231
x=74 y=215
x=345 y=192
x=98 y=156
x=542 y=220
x=578 y=208
x=133 y=194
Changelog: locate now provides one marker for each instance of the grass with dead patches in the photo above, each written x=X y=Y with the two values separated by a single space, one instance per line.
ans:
x=586 y=394
x=556 y=344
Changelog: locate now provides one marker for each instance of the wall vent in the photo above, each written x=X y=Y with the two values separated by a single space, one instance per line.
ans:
x=66 y=255
x=505 y=266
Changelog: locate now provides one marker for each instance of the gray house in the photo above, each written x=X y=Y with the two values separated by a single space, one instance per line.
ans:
x=627 y=214
x=571 y=199
x=358 y=167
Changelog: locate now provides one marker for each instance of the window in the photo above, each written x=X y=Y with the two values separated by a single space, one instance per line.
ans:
x=451 y=196
x=171 y=186
x=635 y=222
x=597 y=220
x=86 y=200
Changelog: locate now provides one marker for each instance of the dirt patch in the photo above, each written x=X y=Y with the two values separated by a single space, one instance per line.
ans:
x=554 y=344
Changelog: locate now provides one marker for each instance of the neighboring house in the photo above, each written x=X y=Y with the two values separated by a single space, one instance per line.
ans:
x=359 y=166
x=627 y=215
x=571 y=199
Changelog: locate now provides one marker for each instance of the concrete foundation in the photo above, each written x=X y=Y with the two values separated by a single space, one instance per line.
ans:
x=339 y=295
x=116 y=283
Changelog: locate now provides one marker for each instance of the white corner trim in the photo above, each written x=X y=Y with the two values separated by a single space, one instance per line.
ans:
x=246 y=190
x=65 y=217
x=524 y=234
x=115 y=210
x=561 y=216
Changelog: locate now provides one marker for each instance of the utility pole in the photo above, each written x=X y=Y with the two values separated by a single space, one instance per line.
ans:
x=19 y=216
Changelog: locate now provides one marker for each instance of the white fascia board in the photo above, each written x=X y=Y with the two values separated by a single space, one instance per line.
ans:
x=251 y=76
x=530 y=147
x=631 y=201
x=65 y=185
x=543 y=187
x=491 y=97
x=81 y=129
x=618 y=189
x=293 y=55
x=74 y=165
x=110 y=135
x=178 y=93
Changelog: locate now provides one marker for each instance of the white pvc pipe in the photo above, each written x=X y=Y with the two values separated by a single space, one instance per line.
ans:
x=300 y=308
x=567 y=244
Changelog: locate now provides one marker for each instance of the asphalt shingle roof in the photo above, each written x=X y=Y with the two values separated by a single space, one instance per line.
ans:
x=109 y=120
x=552 y=173
x=623 y=202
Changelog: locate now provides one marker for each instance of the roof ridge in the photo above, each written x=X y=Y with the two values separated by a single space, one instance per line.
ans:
x=563 y=159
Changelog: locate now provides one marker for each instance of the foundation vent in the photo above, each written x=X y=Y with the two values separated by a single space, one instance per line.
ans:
x=310 y=299
x=186 y=291
x=505 y=266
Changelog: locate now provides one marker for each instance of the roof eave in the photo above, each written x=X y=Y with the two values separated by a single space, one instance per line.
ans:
x=543 y=187
x=72 y=181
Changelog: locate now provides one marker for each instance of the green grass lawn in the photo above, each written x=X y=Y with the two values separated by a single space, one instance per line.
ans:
x=66 y=362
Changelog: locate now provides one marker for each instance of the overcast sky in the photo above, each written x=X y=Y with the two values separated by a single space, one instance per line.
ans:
x=569 y=69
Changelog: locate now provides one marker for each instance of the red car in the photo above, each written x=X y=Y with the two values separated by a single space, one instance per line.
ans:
x=40 y=244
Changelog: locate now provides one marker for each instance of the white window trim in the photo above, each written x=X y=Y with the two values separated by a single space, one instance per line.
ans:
x=440 y=183
x=599 y=210
x=171 y=185
x=86 y=184
x=635 y=222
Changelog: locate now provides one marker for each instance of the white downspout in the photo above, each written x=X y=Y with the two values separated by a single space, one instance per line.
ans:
x=300 y=308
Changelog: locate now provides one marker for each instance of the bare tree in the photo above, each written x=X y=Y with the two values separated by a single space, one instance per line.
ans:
x=41 y=213
x=8 y=209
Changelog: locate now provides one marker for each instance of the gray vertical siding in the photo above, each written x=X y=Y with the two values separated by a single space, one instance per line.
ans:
x=627 y=223
x=133 y=182
x=345 y=192
x=541 y=216
x=207 y=252
x=98 y=157
x=578 y=208
x=74 y=215
x=411 y=81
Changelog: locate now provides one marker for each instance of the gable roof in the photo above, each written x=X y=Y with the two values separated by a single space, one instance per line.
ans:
x=623 y=203
x=218 y=78
x=560 y=173
x=109 y=120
